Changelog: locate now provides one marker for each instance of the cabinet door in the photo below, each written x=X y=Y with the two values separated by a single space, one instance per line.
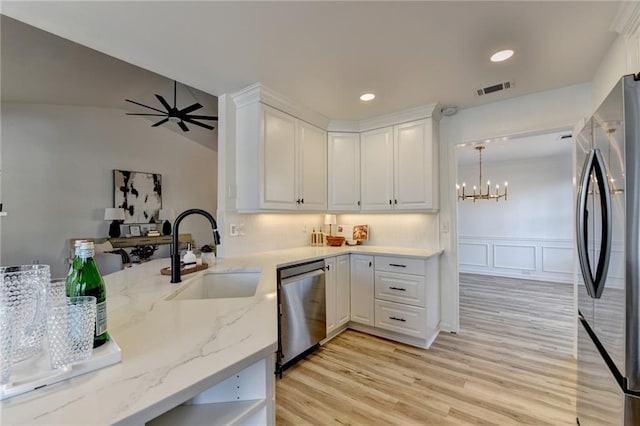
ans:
x=343 y=298
x=344 y=171
x=376 y=165
x=330 y=286
x=413 y=165
x=362 y=289
x=278 y=160
x=312 y=168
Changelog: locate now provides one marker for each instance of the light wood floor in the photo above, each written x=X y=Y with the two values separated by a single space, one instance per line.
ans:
x=510 y=364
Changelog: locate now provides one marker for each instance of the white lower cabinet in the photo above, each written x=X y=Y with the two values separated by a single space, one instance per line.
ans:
x=337 y=285
x=343 y=296
x=407 y=297
x=394 y=297
x=362 y=289
x=401 y=318
x=330 y=286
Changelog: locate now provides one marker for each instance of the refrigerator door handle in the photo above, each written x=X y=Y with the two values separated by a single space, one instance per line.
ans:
x=605 y=242
x=594 y=164
x=582 y=234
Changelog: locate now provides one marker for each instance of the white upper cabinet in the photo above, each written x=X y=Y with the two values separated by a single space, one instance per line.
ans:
x=414 y=160
x=399 y=167
x=278 y=162
x=376 y=165
x=344 y=171
x=312 y=168
x=281 y=161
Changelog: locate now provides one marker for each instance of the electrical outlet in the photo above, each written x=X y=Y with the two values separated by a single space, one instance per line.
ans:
x=304 y=228
x=233 y=230
x=444 y=226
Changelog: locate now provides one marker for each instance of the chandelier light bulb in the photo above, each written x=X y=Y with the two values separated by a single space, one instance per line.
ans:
x=506 y=183
x=464 y=184
x=457 y=186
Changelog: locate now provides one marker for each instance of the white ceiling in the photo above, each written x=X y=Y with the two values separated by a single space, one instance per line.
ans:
x=322 y=54
x=514 y=149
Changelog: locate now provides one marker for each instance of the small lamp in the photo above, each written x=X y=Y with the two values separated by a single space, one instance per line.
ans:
x=166 y=215
x=115 y=215
x=330 y=219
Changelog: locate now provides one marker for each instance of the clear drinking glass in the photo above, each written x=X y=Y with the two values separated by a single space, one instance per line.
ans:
x=70 y=330
x=57 y=292
x=7 y=319
x=22 y=291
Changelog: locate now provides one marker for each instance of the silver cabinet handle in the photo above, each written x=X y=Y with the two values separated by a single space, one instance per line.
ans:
x=398 y=319
x=397 y=288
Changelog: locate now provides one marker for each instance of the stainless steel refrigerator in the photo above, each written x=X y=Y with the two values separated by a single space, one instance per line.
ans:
x=607 y=237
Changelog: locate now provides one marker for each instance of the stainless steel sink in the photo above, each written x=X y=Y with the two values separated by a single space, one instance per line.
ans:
x=219 y=285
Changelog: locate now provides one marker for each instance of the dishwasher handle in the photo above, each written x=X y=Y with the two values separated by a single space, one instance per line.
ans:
x=297 y=278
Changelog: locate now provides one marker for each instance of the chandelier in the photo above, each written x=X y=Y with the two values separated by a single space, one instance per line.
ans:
x=477 y=190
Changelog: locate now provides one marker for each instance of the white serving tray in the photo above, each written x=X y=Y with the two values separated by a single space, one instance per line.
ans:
x=36 y=373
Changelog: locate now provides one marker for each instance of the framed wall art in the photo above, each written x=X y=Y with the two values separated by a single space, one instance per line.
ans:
x=139 y=194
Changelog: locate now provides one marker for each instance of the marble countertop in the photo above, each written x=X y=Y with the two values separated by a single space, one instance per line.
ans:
x=172 y=349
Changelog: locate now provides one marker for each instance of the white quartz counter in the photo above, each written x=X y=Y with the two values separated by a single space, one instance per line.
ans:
x=172 y=349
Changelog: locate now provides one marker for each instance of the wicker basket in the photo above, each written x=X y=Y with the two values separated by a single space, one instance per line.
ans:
x=334 y=241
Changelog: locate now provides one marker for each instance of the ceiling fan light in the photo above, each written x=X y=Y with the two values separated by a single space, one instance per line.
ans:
x=174 y=119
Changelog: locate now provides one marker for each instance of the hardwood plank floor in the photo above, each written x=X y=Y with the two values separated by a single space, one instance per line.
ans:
x=510 y=364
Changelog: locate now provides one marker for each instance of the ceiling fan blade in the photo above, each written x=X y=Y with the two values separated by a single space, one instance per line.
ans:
x=146 y=106
x=160 y=122
x=203 y=117
x=144 y=113
x=183 y=126
x=189 y=120
x=163 y=102
x=190 y=108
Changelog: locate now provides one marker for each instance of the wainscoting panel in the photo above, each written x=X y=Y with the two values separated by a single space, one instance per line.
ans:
x=536 y=259
x=474 y=254
x=511 y=256
x=557 y=259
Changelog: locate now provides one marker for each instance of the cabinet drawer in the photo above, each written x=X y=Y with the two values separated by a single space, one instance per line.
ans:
x=400 y=264
x=401 y=288
x=405 y=319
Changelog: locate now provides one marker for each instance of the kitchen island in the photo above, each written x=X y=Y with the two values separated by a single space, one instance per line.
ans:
x=176 y=350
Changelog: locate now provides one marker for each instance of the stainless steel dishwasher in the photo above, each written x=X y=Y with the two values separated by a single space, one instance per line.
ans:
x=302 y=311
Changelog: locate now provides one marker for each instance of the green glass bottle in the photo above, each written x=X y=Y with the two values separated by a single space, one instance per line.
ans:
x=75 y=265
x=87 y=281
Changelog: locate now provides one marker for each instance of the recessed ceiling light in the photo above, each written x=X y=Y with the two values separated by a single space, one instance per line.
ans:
x=367 y=97
x=502 y=55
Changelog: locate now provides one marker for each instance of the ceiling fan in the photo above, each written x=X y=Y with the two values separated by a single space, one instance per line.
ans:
x=175 y=115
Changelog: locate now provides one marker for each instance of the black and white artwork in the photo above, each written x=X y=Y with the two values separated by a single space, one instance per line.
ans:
x=139 y=194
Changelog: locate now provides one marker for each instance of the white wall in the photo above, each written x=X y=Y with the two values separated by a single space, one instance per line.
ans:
x=57 y=164
x=623 y=56
x=528 y=236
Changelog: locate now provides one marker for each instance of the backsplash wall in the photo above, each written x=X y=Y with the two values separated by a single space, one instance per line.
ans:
x=273 y=231
x=419 y=230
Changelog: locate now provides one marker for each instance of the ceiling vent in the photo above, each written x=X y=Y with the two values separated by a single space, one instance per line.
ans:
x=495 y=88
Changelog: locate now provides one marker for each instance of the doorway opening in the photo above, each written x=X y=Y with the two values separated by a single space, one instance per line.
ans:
x=515 y=255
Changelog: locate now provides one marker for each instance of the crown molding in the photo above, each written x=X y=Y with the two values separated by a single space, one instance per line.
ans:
x=406 y=115
x=627 y=19
x=258 y=92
